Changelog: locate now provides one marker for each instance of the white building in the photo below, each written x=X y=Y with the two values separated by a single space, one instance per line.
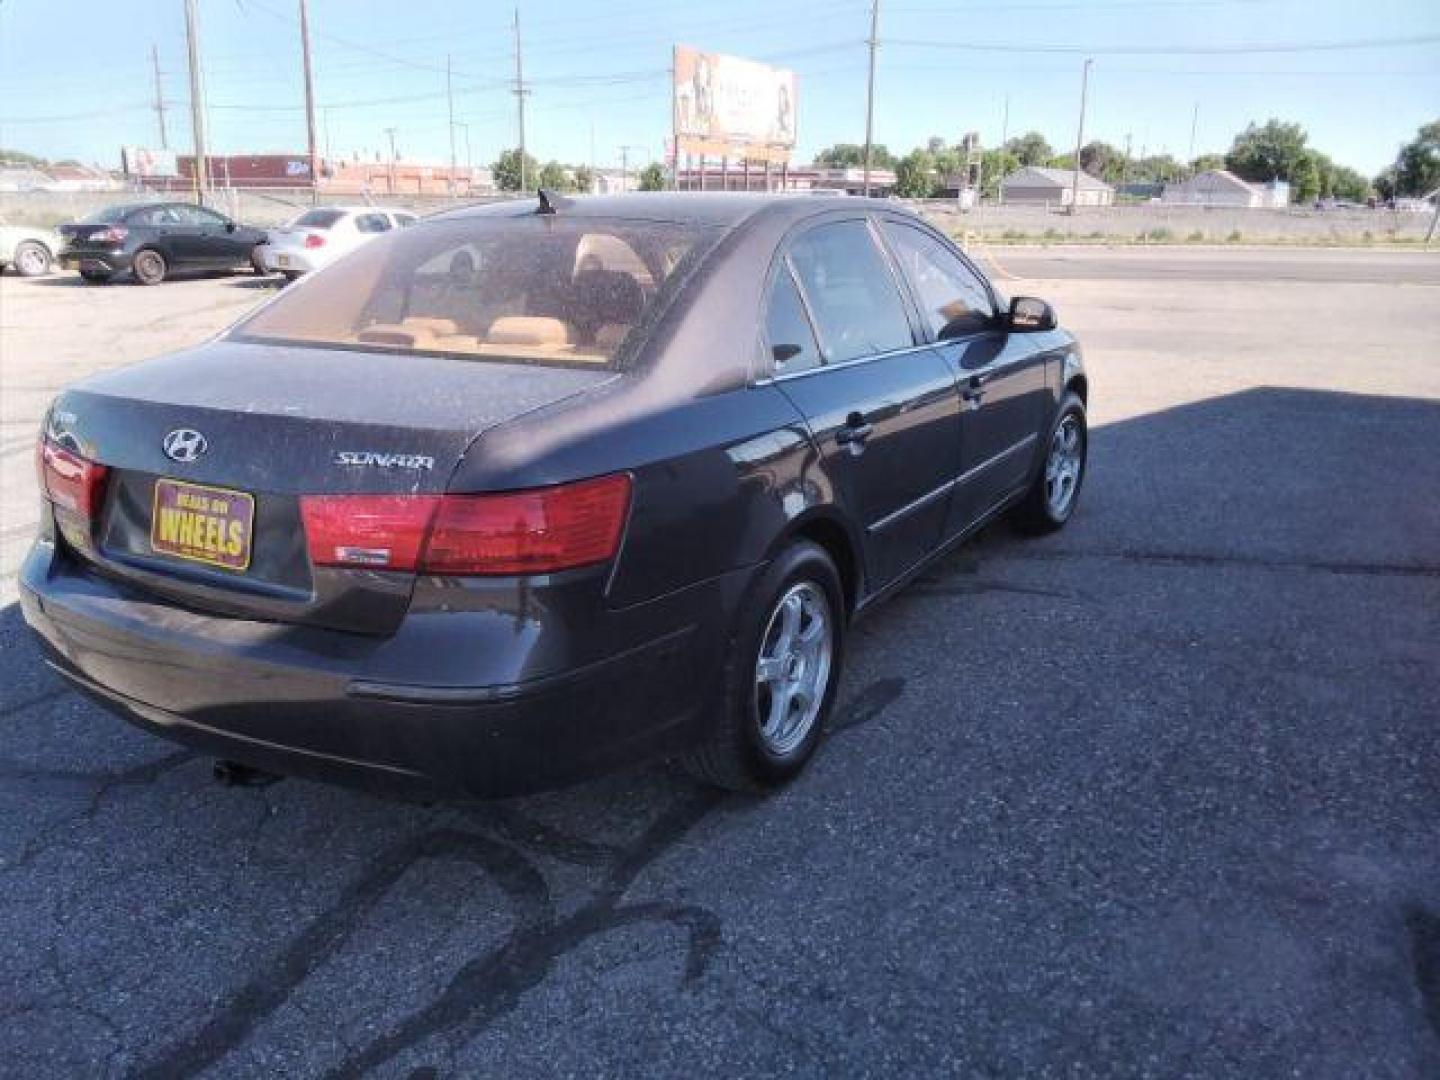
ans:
x=1220 y=187
x=1034 y=186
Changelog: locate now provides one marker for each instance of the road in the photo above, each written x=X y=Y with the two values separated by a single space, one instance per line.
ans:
x=1156 y=796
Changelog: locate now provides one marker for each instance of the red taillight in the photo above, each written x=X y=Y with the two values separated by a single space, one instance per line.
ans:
x=314 y=240
x=520 y=532
x=69 y=480
x=111 y=234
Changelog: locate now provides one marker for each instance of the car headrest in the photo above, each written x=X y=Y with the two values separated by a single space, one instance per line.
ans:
x=528 y=330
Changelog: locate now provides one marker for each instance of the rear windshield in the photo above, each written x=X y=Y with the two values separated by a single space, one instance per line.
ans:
x=533 y=289
x=317 y=219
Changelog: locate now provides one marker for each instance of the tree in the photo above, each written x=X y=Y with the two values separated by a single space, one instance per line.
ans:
x=1346 y=183
x=555 y=177
x=915 y=175
x=652 y=177
x=1207 y=163
x=1269 y=152
x=995 y=165
x=584 y=179
x=506 y=170
x=1030 y=148
x=17 y=157
x=1305 y=180
x=1417 y=167
x=1102 y=160
x=852 y=156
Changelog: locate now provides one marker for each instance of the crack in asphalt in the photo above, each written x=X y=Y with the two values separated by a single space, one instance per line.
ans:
x=492 y=984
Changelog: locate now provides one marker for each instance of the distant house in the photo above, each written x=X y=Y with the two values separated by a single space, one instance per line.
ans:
x=1220 y=187
x=1034 y=186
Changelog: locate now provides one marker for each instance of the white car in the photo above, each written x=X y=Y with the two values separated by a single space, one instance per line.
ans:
x=320 y=236
x=31 y=251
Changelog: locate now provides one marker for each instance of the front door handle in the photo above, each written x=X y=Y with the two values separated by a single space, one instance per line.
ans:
x=856 y=430
x=972 y=390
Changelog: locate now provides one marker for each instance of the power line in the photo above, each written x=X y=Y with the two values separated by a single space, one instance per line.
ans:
x=1171 y=50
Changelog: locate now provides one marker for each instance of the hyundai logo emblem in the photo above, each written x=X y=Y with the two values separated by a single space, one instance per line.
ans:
x=183 y=444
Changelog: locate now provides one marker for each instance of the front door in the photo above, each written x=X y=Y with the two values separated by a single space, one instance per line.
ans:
x=218 y=243
x=1000 y=376
x=881 y=407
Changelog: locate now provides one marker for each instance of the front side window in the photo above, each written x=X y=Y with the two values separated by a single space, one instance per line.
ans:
x=857 y=307
x=953 y=300
x=525 y=288
x=787 y=328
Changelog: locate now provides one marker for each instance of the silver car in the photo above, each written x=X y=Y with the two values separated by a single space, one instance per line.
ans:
x=31 y=251
x=320 y=236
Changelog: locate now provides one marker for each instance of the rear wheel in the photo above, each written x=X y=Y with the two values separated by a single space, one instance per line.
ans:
x=1052 y=498
x=256 y=262
x=32 y=259
x=149 y=267
x=781 y=670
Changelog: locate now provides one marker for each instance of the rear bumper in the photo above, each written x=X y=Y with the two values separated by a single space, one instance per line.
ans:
x=287 y=260
x=97 y=260
x=303 y=700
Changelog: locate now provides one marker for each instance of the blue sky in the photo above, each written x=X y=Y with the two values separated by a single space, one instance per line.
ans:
x=78 y=84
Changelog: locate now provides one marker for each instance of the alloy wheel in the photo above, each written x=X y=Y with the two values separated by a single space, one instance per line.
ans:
x=1063 y=467
x=792 y=673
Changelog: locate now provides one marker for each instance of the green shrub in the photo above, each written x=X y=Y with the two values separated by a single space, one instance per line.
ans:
x=1235 y=237
x=1196 y=237
x=1159 y=236
x=1053 y=234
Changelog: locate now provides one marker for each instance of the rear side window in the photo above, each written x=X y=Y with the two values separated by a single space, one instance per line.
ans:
x=787 y=327
x=317 y=219
x=953 y=300
x=372 y=223
x=404 y=220
x=857 y=307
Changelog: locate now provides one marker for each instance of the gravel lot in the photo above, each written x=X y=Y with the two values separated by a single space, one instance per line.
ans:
x=1158 y=796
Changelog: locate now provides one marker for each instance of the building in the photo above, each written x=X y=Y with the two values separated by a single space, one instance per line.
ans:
x=1220 y=187
x=809 y=178
x=1034 y=186
x=338 y=176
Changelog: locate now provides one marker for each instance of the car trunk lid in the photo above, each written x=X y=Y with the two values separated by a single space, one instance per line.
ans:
x=259 y=427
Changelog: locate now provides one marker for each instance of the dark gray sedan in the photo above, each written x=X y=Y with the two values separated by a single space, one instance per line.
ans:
x=527 y=492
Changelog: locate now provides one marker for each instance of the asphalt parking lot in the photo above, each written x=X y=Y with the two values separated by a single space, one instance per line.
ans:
x=1157 y=796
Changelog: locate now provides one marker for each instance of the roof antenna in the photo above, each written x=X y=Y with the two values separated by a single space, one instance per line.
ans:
x=550 y=201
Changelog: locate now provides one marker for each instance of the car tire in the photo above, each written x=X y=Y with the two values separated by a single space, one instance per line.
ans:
x=290 y=276
x=778 y=686
x=1052 y=498
x=257 y=263
x=32 y=259
x=149 y=267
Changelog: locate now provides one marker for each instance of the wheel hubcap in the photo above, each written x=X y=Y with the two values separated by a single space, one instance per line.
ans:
x=1063 y=466
x=31 y=261
x=793 y=671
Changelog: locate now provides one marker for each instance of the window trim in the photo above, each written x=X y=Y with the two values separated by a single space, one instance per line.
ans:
x=784 y=266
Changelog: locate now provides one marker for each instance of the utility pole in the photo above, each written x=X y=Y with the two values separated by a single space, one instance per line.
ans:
x=309 y=102
x=1194 y=123
x=390 y=131
x=1004 y=138
x=625 y=166
x=450 y=110
x=159 y=96
x=469 y=164
x=873 y=41
x=1080 y=137
x=197 y=103
x=520 y=98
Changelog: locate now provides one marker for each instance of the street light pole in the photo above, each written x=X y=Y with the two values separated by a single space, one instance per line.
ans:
x=309 y=102
x=1080 y=137
x=873 y=41
x=390 y=131
x=197 y=102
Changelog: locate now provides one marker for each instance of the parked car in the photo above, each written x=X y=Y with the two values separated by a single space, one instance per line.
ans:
x=30 y=251
x=513 y=497
x=150 y=241
x=320 y=236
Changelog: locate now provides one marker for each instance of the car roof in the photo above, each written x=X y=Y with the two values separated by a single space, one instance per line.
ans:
x=345 y=209
x=705 y=208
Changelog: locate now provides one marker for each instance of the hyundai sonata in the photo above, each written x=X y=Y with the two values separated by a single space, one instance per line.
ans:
x=526 y=492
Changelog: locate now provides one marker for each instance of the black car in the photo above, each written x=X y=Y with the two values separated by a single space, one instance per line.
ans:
x=520 y=494
x=150 y=241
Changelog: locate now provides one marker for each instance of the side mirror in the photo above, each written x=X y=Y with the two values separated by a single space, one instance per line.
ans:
x=1030 y=314
x=229 y=226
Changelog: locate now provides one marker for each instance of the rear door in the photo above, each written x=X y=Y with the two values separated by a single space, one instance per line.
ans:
x=880 y=404
x=1000 y=377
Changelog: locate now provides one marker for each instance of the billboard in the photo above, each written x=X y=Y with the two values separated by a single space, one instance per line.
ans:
x=138 y=161
x=729 y=107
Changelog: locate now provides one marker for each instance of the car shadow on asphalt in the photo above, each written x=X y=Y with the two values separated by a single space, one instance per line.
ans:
x=1270 y=476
